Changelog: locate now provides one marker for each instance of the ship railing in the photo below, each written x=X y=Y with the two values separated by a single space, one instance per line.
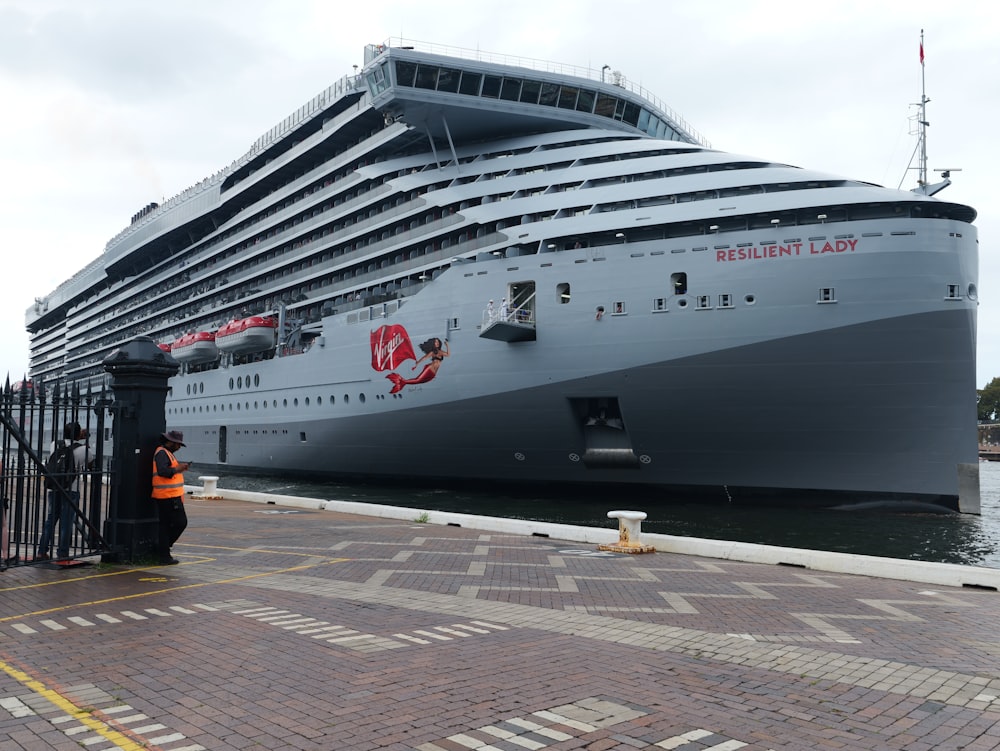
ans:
x=549 y=66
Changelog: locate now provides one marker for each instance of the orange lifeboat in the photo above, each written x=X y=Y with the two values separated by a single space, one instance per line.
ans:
x=195 y=348
x=247 y=335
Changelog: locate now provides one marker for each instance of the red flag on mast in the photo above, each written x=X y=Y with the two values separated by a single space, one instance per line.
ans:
x=921 y=51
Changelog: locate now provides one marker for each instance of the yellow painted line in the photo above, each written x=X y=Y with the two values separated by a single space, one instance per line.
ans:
x=83 y=716
x=171 y=589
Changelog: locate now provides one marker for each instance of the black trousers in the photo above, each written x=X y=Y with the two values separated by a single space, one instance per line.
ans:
x=172 y=522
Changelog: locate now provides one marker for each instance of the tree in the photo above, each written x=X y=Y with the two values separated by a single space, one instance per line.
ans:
x=988 y=401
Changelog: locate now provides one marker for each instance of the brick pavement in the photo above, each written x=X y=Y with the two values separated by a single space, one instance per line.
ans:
x=301 y=629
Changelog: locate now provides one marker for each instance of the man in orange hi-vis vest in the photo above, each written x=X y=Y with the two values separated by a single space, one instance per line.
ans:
x=168 y=494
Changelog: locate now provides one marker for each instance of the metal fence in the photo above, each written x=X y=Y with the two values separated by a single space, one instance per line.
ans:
x=46 y=516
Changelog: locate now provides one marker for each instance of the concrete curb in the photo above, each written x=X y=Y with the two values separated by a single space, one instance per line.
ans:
x=945 y=574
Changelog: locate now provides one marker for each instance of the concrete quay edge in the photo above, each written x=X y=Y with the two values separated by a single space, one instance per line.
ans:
x=945 y=574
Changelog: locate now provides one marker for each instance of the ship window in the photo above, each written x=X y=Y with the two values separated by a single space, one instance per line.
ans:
x=562 y=293
x=347 y=399
x=239 y=382
x=405 y=73
x=333 y=400
x=679 y=282
x=361 y=397
x=549 y=94
x=605 y=105
x=618 y=308
x=954 y=292
x=448 y=80
x=230 y=384
x=703 y=302
x=302 y=436
x=827 y=294
x=491 y=87
x=256 y=380
x=307 y=401
x=660 y=305
x=511 y=89
x=585 y=103
x=530 y=91
x=725 y=300
x=567 y=97
x=426 y=76
x=470 y=83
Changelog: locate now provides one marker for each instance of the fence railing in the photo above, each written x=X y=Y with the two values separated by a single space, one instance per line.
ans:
x=50 y=516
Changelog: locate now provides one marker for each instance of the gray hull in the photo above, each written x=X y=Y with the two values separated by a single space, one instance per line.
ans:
x=822 y=415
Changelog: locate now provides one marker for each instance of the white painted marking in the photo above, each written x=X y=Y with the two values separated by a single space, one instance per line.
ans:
x=473 y=629
x=23 y=629
x=492 y=626
x=680 y=740
x=134 y=616
x=157 y=611
x=439 y=637
x=446 y=630
x=79 y=621
x=183 y=611
x=562 y=720
x=107 y=618
x=16 y=707
x=53 y=626
x=172 y=738
x=413 y=639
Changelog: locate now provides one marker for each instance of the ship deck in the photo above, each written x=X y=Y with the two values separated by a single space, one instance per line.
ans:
x=296 y=626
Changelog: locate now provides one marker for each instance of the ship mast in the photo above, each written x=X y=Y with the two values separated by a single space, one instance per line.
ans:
x=923 y=187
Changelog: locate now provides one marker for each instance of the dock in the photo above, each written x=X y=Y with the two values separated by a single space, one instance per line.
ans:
x=320 y=624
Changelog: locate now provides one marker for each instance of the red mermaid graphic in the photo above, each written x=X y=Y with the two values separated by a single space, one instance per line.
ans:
x=434 y=349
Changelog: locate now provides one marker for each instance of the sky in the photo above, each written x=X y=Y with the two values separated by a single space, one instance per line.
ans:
x=107 y=105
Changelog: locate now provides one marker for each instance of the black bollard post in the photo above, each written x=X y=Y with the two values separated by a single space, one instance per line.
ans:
x=139 y=374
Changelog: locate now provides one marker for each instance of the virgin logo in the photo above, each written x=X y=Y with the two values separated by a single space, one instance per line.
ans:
x=390 y=347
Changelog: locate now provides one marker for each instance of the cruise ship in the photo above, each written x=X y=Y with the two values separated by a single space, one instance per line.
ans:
x=454 y=266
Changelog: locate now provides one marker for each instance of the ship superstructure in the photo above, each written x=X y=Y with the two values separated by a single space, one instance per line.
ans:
x=456 y=266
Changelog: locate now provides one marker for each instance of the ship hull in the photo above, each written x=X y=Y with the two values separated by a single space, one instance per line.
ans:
x=818 y=418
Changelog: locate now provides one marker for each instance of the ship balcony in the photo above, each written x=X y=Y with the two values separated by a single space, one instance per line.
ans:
x=516 y=326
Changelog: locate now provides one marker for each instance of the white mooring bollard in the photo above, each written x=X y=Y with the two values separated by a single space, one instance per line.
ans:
x=209 y=491
x=628 y=533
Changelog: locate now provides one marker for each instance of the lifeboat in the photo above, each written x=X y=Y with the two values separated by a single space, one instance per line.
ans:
x=165 y=347
x=195 y=348
x=246 y=335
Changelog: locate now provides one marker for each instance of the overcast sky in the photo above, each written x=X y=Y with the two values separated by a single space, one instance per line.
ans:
x=106 y=105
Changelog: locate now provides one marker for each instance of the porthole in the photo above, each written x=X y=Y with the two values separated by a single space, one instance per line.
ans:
x=347 y=399
x=230 y=384
x=295 y=402
x=973 y=292
x=333 y=400
x=362 y=398
x=239 y=382
x=201 y=387
x=319 y=400
x=256 y=380
x=682 y=303
x=284 y=402
x=749 y=299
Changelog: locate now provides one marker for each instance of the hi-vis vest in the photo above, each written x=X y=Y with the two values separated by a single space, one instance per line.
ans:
x=167 y=487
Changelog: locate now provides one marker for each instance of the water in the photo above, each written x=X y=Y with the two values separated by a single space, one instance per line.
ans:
x=952 y=538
